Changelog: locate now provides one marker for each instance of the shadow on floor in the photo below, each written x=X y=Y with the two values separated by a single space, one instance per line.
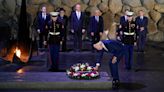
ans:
x=131 y=86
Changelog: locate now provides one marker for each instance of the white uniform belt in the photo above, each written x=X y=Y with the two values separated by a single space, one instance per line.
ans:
x=54 y=33
x=126 y=33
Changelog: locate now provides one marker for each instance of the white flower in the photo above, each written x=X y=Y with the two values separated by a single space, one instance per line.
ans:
x=68 y=72
x=97 y=64
x=75 y=74
x=76 y=68
x=89 y=68
x=83 y=75
x=86 y=64
x=92 y=75
x=82 y=66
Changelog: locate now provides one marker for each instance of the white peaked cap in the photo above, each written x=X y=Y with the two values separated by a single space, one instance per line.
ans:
x=54 y=13
x=129 y=13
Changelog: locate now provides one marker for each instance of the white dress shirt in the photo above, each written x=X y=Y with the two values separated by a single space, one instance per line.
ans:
x=78 y=14
x=44 y=15
x=126 y=18
x=97 y=18
x=141 y=17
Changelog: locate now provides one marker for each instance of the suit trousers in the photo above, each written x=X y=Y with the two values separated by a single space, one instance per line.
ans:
x=141 y=41
x=42 y=38
x=114 y=70
x=128 y=56
x=78 y=40
x=64 y=40
x=95 y=39
x=114 y=66
x=54 y=50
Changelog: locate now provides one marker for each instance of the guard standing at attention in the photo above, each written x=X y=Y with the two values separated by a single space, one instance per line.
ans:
x=129 y=40
x=54 y=38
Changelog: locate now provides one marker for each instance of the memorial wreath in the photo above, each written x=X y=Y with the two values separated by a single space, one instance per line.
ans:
x=83 y=71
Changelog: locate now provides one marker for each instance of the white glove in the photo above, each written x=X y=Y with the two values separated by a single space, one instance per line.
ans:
x=72 y=30
x=38 y=30
x=121 y=33
x=92 y=33
x=114 y=60
x=118 y=38
x=45 y=42
x=83 y=30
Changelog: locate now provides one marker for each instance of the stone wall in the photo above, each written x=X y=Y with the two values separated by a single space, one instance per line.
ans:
x=111 y=11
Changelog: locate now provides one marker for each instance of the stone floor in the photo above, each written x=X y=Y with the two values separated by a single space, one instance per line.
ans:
x=51 y=81
x=146 y=75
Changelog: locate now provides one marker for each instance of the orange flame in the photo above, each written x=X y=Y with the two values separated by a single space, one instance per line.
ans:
x=20 y=71
x=18 y=52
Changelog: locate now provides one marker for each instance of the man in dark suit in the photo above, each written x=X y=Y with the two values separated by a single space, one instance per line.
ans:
x=141 y=23
x=96 y=27
x=63 y=19
x=54 y=39
x=116 y=50
x=77 y=26
x=42 y=27
x=129 y=40
x=123 y=20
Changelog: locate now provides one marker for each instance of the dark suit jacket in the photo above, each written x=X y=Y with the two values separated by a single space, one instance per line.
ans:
x=64 y=22
x=122 y=21
x=76 y=24
x=95 y=26
x=142 y=23
x=114 y=47
x=42 y=23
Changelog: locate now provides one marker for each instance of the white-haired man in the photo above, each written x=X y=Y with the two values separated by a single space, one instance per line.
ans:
x=115 y=49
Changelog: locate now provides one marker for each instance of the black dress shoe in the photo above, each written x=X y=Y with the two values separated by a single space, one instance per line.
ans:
x=137 y=70
x=142 y=52
x=115 y=83
x=53 y=70
x=128 y=68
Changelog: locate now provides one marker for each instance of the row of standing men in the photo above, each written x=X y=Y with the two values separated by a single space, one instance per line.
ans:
x=78 y=26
